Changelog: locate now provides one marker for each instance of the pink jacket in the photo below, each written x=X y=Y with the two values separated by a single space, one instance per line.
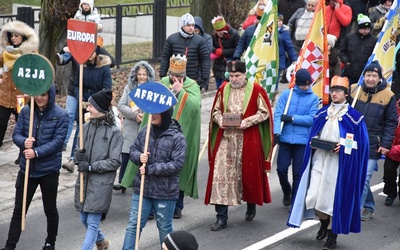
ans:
x=335 y=19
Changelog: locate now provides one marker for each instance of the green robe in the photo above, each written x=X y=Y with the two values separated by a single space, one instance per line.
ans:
x=187 y=113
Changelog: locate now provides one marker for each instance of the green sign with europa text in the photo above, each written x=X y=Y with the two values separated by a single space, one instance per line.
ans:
x=33 y=74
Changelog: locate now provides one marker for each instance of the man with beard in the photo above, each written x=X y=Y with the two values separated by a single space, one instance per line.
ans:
x=240 y=141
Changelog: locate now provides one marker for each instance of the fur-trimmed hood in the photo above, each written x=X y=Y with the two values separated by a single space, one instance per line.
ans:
x=28 y=46
x=101 y=61
x=132 y=79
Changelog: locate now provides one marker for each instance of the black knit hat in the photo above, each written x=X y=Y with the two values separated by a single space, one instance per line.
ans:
x=303 y=77
x=181 y=240
x=236 y=66
x=374 y=66
x=101 y=100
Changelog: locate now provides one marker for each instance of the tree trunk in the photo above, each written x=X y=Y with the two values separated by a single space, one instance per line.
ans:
x=53 y=34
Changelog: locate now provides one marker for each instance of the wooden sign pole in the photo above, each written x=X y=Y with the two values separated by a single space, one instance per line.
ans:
x=23 y=218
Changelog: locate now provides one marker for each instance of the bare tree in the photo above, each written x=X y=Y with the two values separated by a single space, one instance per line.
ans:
x=53 y=31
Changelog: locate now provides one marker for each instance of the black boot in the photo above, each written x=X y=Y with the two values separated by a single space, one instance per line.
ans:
x=331 y=241
x=323 y=229
x=251 y=212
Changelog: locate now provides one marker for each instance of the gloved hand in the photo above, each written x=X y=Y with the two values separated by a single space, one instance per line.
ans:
x=287 y=118
x=277 y=139
x=83 y=166
x=80 y=155
x=218 y=52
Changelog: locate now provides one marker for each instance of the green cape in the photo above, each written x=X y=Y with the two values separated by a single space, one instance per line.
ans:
x=187 y=113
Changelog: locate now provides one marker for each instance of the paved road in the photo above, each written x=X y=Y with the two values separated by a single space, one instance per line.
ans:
x=267 y=231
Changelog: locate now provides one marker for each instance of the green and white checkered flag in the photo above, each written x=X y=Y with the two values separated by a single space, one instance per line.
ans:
x=262 y=55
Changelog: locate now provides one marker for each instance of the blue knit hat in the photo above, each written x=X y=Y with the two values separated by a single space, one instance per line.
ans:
x=374 y=66
x=303 y=77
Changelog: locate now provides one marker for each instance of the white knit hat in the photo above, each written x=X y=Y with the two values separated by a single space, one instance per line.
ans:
x=187 y=19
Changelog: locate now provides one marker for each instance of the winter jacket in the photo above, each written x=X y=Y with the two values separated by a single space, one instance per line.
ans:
x=244 y=41
x=103 y=144
x=288 y=7
x=376 y=14
x=75 y=66
x=334 y=63
x=8 y=56
x=378 y=105
x=167 y=155
x=196 y=51
x=396 y=76
x=92 y=16
x=394 y=152
x=303 y=106
x=199 y=22
x=249 y=21
x=228 y=45
x=285 y=48
x=356 y=49
x=337 y=18
x=96 y=77
x=50 y=128
x=131 y=127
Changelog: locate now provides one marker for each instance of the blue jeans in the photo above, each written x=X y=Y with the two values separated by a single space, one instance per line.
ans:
x=164 y=211
x=222 y=212
x=91 y=221
x=290 y=154
x=66 y=57
x=218 y=82
x=367 y=199
x=71 y=107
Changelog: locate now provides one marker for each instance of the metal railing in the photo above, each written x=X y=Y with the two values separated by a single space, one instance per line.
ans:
x=156 y=9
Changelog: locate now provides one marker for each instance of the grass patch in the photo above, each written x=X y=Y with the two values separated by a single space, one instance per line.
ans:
x=133 y=52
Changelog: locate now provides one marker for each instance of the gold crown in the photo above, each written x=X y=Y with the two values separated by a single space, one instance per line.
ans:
x=218 y=23
x=177 y=64
x=338 y=81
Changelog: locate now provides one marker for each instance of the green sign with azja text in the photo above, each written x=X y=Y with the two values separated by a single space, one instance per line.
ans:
x=33 y=74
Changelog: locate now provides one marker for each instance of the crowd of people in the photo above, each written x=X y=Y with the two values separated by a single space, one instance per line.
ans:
x=333 y=150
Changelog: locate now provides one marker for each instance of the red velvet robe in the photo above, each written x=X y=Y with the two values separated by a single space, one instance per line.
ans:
x=257 y=147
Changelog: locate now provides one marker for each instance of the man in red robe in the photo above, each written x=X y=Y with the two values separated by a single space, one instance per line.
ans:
x=240 y=140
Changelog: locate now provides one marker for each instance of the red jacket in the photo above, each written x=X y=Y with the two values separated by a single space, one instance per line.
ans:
x=394 y=152
x=335 y=19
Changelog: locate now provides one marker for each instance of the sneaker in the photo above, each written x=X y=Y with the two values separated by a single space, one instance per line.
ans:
x=69 y=166
x=103 y=245
x=64 y=147
x=48 y=246
x=177 y=214
x=366 y=215
x=389 y=200
x=17 y=161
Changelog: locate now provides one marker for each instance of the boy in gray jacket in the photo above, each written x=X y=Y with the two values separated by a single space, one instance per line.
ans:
x=98 y=161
